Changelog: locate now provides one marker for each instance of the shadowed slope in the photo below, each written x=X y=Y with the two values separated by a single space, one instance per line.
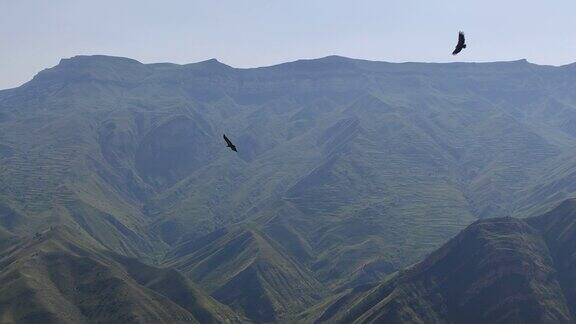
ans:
x=246 y=270
x=559 y=230
x=498 y=270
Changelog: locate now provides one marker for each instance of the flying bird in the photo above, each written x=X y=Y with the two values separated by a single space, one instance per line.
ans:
x=461 y=44
x=229 y=144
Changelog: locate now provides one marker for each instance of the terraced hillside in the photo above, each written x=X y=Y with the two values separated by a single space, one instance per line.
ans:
x=347 y=170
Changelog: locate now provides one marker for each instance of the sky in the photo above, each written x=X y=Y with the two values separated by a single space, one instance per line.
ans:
x=36 y=34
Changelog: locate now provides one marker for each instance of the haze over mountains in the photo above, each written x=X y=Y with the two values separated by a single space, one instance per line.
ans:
x=347 y=171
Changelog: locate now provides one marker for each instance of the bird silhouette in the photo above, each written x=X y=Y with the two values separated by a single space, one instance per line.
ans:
x=229 y=144
x=461 y=43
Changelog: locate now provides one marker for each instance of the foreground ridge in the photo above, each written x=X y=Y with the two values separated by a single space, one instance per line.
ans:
x=499 y=270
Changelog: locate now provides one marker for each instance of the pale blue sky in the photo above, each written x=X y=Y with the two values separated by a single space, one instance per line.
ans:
x=36 y=34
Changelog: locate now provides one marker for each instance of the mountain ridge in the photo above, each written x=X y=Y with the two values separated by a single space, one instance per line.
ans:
x=514 y=279
x=65 y=277
x=213 y=62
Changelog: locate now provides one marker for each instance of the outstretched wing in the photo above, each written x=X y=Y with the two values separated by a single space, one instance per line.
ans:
x=460 y=45
x=461 y=39
x=227 y=140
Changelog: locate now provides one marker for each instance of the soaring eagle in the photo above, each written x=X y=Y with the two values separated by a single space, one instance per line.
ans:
x=461 y=43
x=229 y=144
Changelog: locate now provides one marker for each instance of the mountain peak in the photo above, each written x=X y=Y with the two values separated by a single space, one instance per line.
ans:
x=212 y=61
x=95 y=59
x=332 y=62
x=211 y=65
x=94 y=67
x=335 y=58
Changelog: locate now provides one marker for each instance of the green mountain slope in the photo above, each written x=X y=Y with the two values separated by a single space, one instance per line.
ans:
x=246 y=270
x=128 y=131
x=59 y=276
x=500 y=270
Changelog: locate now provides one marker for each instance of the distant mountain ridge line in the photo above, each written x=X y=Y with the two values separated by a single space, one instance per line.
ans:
x=331 y=58
x=335 y=58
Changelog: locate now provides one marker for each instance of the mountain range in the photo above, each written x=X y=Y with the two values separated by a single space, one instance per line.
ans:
x=348 y=173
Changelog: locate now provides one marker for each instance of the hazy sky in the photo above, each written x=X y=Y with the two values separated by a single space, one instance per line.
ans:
x=36 y=34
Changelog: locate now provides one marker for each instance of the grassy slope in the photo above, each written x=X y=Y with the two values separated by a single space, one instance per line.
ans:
x=243 y=268
x=61 y=276
x=499 y=270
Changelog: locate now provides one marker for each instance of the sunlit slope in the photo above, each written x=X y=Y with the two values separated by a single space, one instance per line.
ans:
x=59 y=276
x=245 y=269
